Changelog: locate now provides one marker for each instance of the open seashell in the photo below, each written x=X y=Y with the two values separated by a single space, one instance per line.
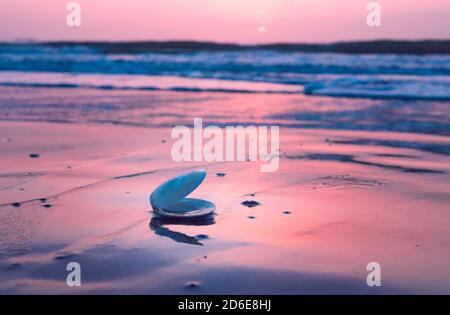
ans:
x=169 y=199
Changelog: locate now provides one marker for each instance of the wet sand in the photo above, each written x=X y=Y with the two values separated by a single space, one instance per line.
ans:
x=340 y=199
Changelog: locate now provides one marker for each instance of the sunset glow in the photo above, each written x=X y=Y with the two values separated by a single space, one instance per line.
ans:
x=250 y=21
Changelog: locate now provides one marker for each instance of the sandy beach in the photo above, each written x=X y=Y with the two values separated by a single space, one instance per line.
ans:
x=345 y=194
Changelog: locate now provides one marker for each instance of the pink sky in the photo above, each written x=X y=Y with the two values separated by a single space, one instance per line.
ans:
x=243 y=21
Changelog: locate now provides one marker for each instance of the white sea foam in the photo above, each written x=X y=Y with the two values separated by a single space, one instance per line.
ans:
x=403 y=87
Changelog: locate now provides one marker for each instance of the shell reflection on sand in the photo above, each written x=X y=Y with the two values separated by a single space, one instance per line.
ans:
x=169 y=199
x=157 y=225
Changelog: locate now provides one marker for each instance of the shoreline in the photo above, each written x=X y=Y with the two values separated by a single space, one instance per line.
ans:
x=165 y=109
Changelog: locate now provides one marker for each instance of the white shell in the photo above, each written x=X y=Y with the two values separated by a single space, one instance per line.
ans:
x=169 y=198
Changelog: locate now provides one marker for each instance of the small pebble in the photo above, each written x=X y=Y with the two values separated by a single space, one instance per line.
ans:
x=202 y=236
x=47 y=205
x=251 y=217
x=192 y=284
x=221 y=174
x=250 y=203
x=34 y=155
x=286 y=212
x=64 y=255
x=16 y=204
x=43 y=200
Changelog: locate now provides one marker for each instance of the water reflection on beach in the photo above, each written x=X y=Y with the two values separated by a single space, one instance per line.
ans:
x=340 y=199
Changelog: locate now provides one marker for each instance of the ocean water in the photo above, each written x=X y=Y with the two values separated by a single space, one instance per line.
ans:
x=384 y=76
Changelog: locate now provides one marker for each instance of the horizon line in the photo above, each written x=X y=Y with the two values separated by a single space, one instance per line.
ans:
x=380 y=46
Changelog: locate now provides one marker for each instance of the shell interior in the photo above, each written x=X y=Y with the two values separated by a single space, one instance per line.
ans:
x=169 y=199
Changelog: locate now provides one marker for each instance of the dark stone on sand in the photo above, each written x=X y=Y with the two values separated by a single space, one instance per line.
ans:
x=43 y=199
x=286 y=212
x=192 y=284
x=34 y=155
x=163 y=141
x=202 y=236
x=64 y=255
x=47 y=205
x=250 y=203
x=16 y=204
x=251 y=217
x=221 y=174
